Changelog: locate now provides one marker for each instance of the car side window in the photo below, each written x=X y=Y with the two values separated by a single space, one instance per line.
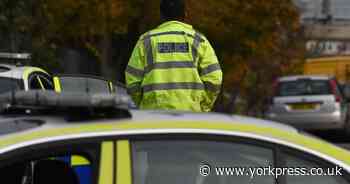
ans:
x=46 y=170
x=181 y=161
x=47 y=82
x=33 y=82
x=309 y=172
x=40 y=80
x=69 y=167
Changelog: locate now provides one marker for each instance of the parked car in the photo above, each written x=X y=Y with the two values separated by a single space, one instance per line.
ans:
x=137 y=147
x=15 y=75
x=310 y=102
x=14 y=78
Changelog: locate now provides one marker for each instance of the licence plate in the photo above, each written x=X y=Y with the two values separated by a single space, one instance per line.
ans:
x=303 y=106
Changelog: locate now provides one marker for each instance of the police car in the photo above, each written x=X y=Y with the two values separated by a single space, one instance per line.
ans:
x=109 y=144
x=15 y=76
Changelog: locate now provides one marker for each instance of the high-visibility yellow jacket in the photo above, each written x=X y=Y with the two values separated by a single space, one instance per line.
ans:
x=173 y=67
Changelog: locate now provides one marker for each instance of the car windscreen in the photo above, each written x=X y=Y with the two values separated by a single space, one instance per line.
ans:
x=84 y=85
x=304 y=87
x=8 y=84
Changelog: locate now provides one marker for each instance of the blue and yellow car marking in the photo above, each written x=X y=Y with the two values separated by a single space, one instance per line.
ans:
x=81 y=167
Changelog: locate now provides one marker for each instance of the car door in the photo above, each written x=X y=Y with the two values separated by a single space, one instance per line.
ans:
x=69 y=162
x=174 y=159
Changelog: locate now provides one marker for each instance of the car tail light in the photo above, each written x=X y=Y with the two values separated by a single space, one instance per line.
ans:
x=333 y=85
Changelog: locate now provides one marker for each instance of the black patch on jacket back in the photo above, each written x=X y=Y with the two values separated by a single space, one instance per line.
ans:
x=169 y=47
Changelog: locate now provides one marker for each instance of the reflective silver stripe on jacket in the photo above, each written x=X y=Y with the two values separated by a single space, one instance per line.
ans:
x=134 y=71
x=210 y=68
x=149 y=52
x=195 y=46
x=212 y=87
x=173 y=33
x=170 y=65
x=173 y=86
x=134 y=88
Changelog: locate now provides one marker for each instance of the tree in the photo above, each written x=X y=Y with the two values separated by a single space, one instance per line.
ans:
x=14 y=16
x=256 y=41
x=87 y=24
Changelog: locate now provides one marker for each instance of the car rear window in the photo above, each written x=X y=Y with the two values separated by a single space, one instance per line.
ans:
x=304 y=87
x=83 y=85
x=7 y=84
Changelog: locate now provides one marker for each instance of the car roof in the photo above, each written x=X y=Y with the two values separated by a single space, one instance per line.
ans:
x=297 y=77
x=162 y=122
x=17 y=72
x=162 y=116
x=212 y=117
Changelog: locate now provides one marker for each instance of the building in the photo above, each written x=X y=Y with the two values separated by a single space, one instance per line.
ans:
x=327 y=26
x=314 y=11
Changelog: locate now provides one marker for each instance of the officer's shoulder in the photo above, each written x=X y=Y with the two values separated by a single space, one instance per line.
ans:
x=200 y=35
x=143 y=36
x=147 y=34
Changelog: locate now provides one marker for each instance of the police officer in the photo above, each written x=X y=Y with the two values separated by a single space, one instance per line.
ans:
x=174 y=67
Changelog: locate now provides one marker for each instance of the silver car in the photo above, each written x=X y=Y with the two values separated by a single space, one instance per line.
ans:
x=309 y=102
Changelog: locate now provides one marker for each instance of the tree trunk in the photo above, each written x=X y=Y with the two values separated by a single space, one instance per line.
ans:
x=234 y=94
x=105 y=44
x=105 y=47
